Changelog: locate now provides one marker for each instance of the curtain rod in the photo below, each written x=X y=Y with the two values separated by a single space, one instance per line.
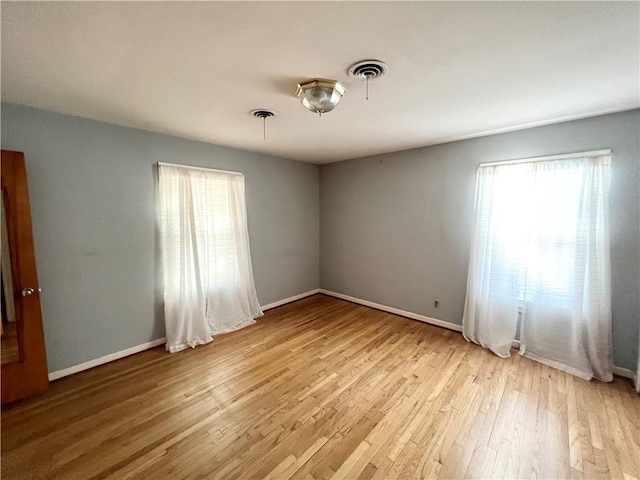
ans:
x=593 y=153
x=202 y=169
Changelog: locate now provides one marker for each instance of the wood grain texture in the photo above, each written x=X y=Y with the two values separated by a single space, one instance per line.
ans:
x=10 y=351
x=322 y=388
x=28 y=376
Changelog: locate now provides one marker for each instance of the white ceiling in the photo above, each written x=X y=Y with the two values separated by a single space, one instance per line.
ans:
x=196 y=69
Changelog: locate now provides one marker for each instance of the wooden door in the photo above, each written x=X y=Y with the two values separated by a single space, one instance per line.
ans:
x=25 y=375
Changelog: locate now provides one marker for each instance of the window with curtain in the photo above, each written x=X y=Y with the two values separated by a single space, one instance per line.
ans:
x=208 y=279
x=540 y=256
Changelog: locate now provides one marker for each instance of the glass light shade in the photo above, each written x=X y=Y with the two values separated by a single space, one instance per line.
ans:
x=321 y=95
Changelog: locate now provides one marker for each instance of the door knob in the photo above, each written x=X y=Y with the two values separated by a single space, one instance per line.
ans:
x=29 y=291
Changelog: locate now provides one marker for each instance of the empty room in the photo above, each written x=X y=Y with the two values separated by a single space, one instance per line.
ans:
x=313 y=240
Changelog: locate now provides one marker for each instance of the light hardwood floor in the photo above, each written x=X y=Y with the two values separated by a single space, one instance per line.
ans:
x=324 y=388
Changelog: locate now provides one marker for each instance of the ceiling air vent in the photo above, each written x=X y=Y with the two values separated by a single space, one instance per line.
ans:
x=368 y=69
x=263 y=114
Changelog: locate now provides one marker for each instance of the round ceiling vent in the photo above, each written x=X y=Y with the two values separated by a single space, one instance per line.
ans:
x=260 y=113
x=263 y=114
x=368 y=69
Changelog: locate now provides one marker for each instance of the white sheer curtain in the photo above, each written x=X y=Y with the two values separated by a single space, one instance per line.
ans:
x=540 y=253
x=208 y=279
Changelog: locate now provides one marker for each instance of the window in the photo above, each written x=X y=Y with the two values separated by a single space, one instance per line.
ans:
x=208 y=279
x=540 y=246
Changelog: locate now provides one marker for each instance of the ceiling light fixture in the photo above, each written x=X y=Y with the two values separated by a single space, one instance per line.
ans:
x=263 y=114
x=320 y=95
x=368 y=70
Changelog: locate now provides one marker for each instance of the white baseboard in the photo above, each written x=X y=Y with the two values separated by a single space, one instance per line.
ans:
x=106 y=359
x=620 y=371
x=290 y=299
x=396 y=311
x=154 y=343
x=624 y=372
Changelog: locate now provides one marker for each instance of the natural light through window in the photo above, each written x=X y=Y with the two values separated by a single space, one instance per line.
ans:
x=540 y=256
x=208 y=279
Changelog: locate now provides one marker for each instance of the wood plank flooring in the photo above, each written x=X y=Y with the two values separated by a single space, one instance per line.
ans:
x=9 y=347
x=323 y=388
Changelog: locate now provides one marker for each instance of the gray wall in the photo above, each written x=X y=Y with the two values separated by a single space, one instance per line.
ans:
x=92 y=197
x=395 y=229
